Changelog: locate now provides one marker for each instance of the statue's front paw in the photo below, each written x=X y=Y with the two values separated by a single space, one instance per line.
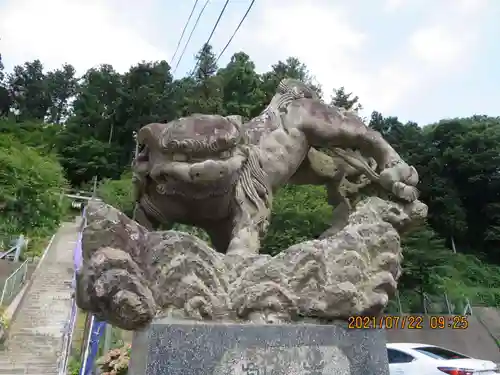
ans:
x=405 y=192
x=111 y=286
x=401 y=179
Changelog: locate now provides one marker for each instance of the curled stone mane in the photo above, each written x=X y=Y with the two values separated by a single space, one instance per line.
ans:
x=296 y=88
x=252 y=187
x=203 y=134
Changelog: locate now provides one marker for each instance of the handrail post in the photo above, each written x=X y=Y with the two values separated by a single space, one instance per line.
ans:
x=11 y=282
x=3 y=293
x=19 y=247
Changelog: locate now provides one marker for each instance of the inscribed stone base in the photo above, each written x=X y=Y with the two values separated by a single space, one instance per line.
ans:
x=202 y=348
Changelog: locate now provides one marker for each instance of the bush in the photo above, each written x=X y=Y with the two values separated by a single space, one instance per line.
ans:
x=30 y=190
x=118 y=193
x=38 y=135
x=300 y=213
x=74 y=366
x=115 y=362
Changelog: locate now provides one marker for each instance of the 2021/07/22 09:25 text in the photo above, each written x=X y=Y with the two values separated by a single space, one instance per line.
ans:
x=409 y=322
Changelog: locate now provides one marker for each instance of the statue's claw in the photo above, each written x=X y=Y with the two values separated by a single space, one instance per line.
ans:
x=405 y=192
x=112 y=287
x=401 y=179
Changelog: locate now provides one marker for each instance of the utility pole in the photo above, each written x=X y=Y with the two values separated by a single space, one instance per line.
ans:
x=453 y=245
x=468 y=306
x=94 y=189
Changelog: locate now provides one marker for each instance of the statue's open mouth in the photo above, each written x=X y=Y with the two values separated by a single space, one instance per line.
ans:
x=172 y=186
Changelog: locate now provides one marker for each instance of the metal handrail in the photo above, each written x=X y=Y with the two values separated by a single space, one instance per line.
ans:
x=12 y=249
x=70 y=325
x=14 y=276
x=67 y=340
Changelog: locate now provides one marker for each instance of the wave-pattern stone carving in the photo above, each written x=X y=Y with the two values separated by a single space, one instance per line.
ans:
x=131 y=275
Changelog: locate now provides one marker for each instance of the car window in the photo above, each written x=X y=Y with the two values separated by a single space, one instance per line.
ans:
x=439 y=353
x=396 y=356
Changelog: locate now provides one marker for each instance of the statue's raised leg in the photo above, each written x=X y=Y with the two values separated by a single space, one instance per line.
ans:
x=328 y=126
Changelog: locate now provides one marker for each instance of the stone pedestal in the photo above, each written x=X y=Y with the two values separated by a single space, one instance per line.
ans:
x=203 y=348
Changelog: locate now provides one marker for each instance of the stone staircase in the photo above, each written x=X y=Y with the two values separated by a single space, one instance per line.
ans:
x=36 y=332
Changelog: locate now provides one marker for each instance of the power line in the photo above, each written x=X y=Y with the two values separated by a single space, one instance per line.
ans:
x=190 y=35
x=217 y=22
x=235 y=31
x=183 y=31
x=213 y=30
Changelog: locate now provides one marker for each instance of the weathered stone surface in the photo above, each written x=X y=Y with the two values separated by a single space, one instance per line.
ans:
x=219 y=174
x=131 y=275
x=190 y=348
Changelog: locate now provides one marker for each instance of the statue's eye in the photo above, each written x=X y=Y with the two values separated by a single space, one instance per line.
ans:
x=226 y=154
x=179 y=157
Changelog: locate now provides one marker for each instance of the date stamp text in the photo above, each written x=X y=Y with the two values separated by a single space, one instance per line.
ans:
x=408 y=322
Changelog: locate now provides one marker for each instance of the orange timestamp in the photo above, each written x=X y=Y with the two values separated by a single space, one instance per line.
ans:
x=408 y=322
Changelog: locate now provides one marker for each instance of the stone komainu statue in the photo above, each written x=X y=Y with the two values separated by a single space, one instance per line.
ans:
x=219 y=174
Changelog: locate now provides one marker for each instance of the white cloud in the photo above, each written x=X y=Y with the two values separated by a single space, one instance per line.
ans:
x=324 y=40
x=424 y=44
x=338 y=51
x=81 y=32
x=472 y=6
x=438 y=45
x=393 y=5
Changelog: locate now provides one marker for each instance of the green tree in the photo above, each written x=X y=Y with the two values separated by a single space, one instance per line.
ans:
x=5 y=99
x=469 y=151
x=146 y=96
x=446 y=213
x=83 y=159
x=29 y=91
x=85 y=144
x=242 y=87
x=61 y=86
x=30 y=189
x=207 y=95
x=427 y=264
x=343 y=99
x=96 y=101
x=291 y=68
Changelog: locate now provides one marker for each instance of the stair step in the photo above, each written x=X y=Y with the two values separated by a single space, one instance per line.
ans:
x=36 y=334
x=27 y=371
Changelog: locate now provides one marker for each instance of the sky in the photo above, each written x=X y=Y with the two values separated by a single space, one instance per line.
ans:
x=419 y=60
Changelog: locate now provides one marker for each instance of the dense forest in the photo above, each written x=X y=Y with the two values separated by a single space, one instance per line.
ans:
x=62 y=130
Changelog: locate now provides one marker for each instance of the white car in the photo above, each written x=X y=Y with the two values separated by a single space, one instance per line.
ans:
x=423 y=359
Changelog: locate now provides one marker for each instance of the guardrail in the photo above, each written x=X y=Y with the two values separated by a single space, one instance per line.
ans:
x=14 y=283
x=8 y=252
x=14 y=252
x=426 y=304
x=82 y=197
x=69 y=328
x=70 y=325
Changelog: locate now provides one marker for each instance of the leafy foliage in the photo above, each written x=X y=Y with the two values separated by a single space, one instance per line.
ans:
x=90 y=121
x=115 y=362
x=295 y=221
x=118 y=193
x=30 y=188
